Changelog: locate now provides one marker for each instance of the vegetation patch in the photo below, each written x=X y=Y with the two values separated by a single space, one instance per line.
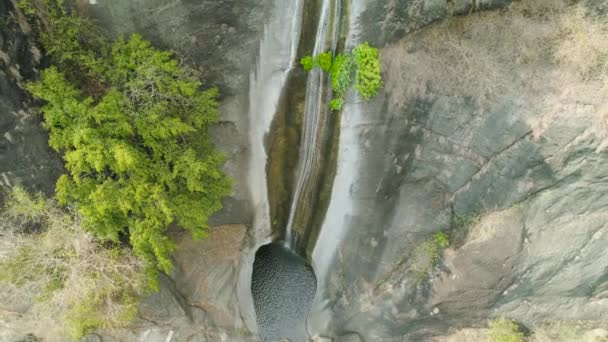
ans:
x=504 y=330
x=132 y=128
x=71 y=276
x=361 y=66
x=428 y=253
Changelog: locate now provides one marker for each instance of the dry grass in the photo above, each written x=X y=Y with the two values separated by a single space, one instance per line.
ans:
x=547 y=57
x=582 y=46
x=473 y=56
x=62 y=271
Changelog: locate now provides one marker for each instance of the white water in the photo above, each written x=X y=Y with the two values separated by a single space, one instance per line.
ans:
x=276 y=59
x=341 y=205
x=314 y=113
x=278 y=49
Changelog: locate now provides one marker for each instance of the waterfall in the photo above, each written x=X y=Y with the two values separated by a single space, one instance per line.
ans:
x=341 y=203
x=276 y=59
x=278 y=49
x=314 y=127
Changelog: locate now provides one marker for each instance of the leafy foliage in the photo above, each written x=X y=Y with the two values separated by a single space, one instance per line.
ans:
x=504 y=330
x=363 y=64
x=336 y=103
x=72 y=41
x=307 y=63
x=342 y=74
x=323 y=61
x=428 y=253
x=368 y=79
x=139 y=157
x=67 y=274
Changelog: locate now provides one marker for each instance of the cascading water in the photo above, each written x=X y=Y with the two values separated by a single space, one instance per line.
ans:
x=315 y=126
x=276 y=59
x=341 y=206
x=283 y=285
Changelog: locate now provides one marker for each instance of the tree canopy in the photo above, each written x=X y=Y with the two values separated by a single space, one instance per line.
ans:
x=138 y=156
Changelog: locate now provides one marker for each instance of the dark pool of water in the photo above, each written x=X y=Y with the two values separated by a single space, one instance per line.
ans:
x=283 y=286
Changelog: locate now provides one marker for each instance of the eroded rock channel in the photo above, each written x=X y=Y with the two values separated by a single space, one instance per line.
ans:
x=283 y=287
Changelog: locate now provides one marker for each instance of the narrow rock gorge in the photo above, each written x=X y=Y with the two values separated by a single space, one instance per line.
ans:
x=488 y=128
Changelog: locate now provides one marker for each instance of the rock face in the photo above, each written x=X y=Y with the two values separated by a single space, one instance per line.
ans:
x=24 y=153
x=198 y=302
x=478 y=123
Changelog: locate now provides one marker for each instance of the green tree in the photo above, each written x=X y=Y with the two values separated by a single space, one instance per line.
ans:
x=139 y=157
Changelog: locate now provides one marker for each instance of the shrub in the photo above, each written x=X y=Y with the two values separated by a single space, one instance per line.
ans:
x=67 y=274
x=427 y=254
x=342 y=74
x=368 y=78
x=307 y=63
x=139 y=158
x=323 y=61
x=504 y=330
x=363 y=62
x=336 y=104
x=441 y=239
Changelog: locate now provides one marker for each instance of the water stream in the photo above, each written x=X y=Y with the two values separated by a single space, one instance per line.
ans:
x=278 y=49
x=314 y=128
x=283 y=285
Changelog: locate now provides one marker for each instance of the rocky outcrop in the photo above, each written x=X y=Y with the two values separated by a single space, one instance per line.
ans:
x=478 y=123
x=25 y=157
x=198 y=302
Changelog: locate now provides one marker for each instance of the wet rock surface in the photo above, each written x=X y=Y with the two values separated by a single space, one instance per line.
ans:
x=283 y=287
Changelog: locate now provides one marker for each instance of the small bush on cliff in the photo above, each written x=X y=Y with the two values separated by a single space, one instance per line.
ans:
x=504 y=330
x=342 y=74
x=307 y=63
x=368 y=79
x=427 y=254
x=323 y=61
x=65 y=272
x=363 y=62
